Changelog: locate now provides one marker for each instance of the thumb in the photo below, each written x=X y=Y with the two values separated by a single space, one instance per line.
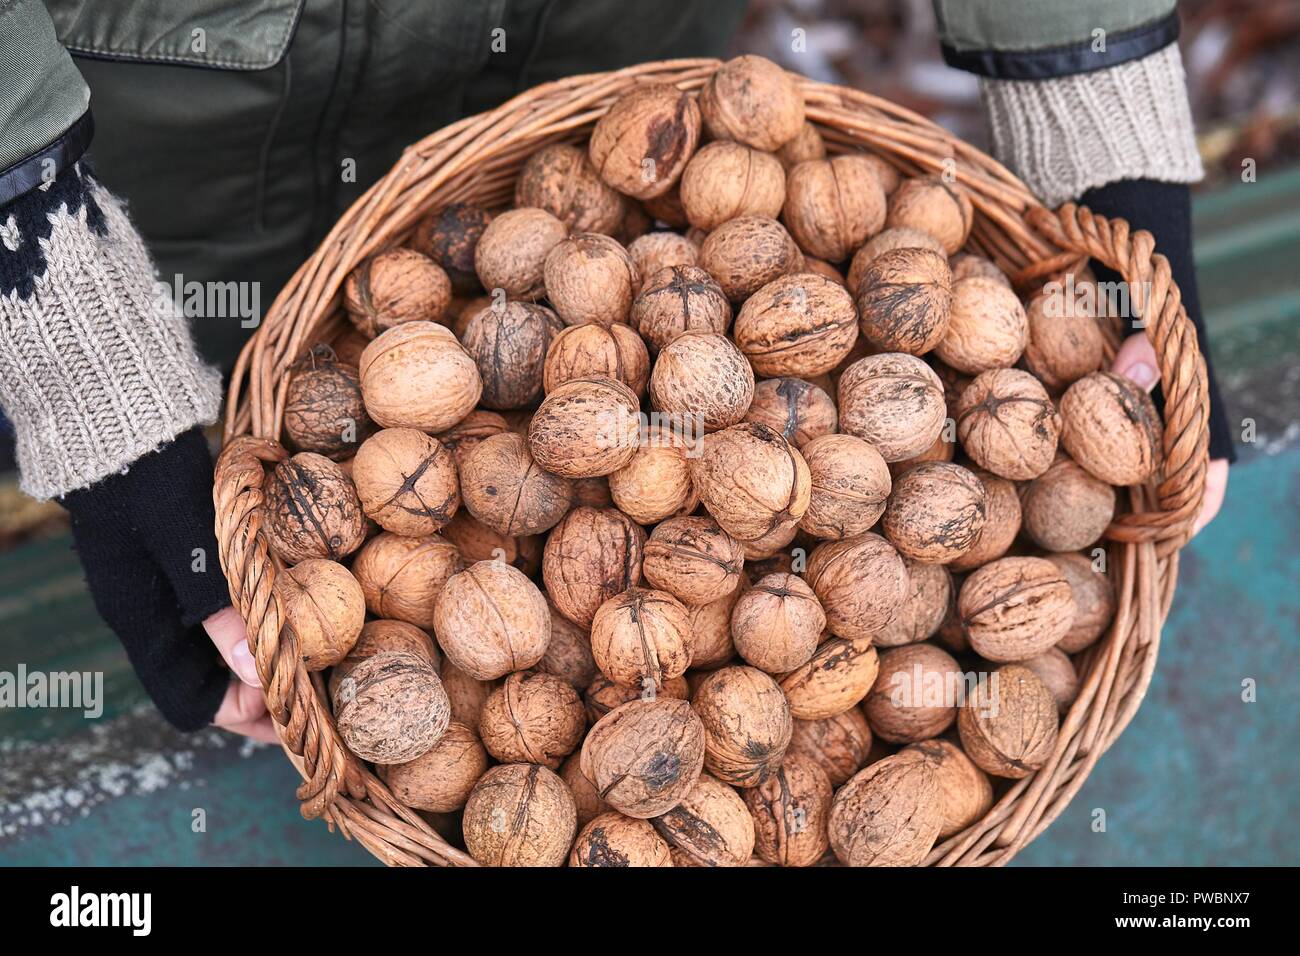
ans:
x=1136 y=361
x=226 y=628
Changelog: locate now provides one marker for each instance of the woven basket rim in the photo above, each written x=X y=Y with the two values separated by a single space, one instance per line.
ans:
x=477 y=156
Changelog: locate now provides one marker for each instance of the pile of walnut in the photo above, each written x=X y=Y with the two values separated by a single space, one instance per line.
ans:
x=568 y=628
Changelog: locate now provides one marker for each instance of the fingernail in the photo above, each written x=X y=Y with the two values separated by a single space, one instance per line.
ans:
x=1143 y=374
x=242 y=660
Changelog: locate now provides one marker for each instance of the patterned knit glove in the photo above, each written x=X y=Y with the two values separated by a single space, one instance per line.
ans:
x=105 y=393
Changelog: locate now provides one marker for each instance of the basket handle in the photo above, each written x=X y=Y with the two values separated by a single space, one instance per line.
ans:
x=305 y=729
x=1158 y=303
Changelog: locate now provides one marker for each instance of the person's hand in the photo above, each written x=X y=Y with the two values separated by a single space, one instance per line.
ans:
x=1136 y=360
x=243 y=709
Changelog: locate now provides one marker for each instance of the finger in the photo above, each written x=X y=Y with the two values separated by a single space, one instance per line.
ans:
x=262 y=730
x=1136 y=361
x=241 y=705
x=1216 y=489
x=226 y=628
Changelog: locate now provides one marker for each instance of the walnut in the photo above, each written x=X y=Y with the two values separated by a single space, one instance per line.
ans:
x=832 y=206
x=323 y=408
x=508 y=491
x=1007 y=423
x=987 y=327
x=511 y=253
x=591 y=555
x=751 y=480
x=679 y=299
x=1013 y=609
x=491 y=620
x=666 y=209
x=711 y=826
x=613 y=839
x=418 y=376
x=465 y=435
x=799 y=410
x=449 y=238
x=923 y=611
x=400 y=577
x=656 y=483
x=603 y=695
x=801 y=324
x=1065 y=337
x=393 y=287
x=644 y=756
x=904 y=298
x=964 y=790
x=1057 y=673
x=643 y=143
x=693 y=559
x=598 y=351
x=1008 y=725
x=585 y=428
x=466 y=694
x=771 y=544
x=1065 y=508
x=324 y=607
x=790 y=810
x=933 y=206
x=887 y=240
x=935 y=512
x=850 y=484
x=591 y=278
x=441 y=779
x=641 y=637
x=824 y=269
x=1001 y=522
x=839 y=675
x=560 y=179
x=532 y=718
x=519 y=814
x=747 y=253
x=889 y=814
x=886 y=173
x=508 y=343
x=702 y=377
x=806 y=145
x=568 y=653
x=753 y=101
x=661 y=250
x=585 y=799
x=861 y=582
x=1094 y=600
x=312 y=510
x=746 y=722
x=391 y=708
x=477 y=542
x=777 y=624
x=893 y=401
x=406 y=481
x=915 y=695
x=711 y=644
x=838 y=744
x=379 y=636
x=1111 y=428
x=967 y=264
x=726 y=180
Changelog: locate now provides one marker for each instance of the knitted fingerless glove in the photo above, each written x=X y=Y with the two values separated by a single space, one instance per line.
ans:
x=105 y=391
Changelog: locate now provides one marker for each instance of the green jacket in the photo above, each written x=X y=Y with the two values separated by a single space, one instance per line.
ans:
x=239 y=130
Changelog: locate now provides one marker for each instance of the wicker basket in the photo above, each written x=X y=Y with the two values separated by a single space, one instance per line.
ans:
x=476 y=160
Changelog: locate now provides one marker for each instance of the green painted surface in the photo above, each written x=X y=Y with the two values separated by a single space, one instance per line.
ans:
x=1200 y=777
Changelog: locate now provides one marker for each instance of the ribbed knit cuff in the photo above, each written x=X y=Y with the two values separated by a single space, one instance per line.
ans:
x=95 y=371
x=1067 y=135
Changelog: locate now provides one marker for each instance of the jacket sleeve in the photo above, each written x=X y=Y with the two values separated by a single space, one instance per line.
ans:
x=1079 y=93
x=96 y=368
